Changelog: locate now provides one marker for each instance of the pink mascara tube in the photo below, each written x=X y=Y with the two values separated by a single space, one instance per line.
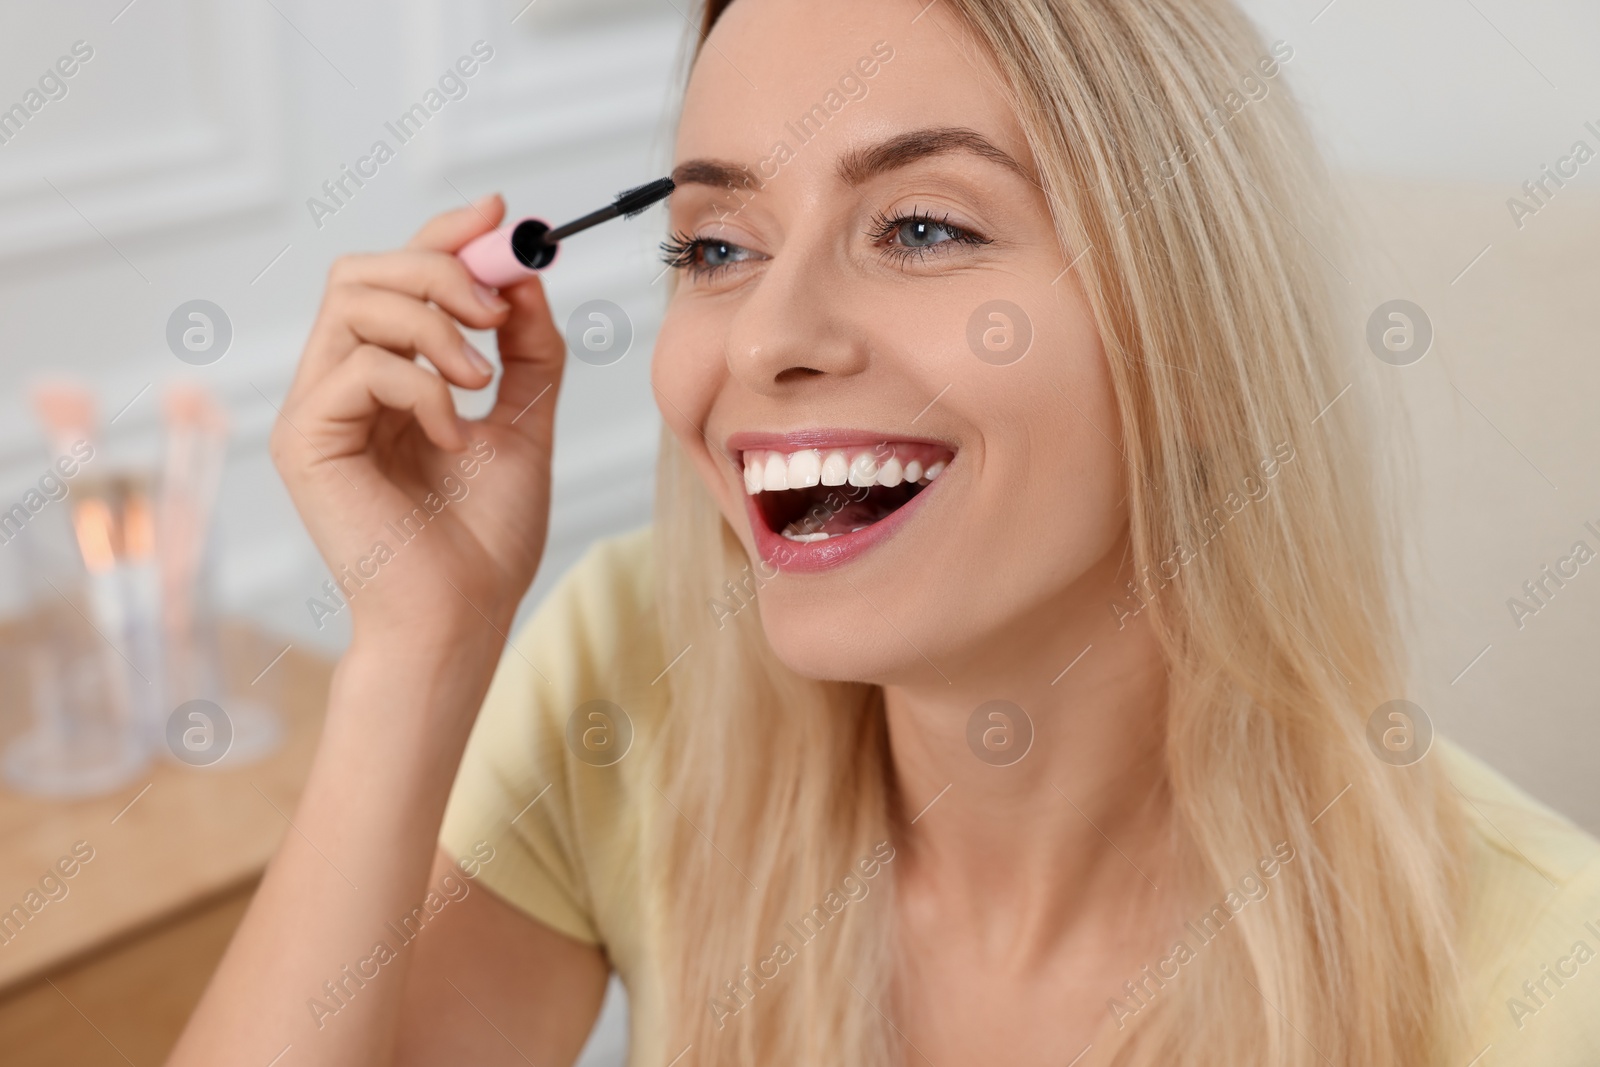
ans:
x=528 y=246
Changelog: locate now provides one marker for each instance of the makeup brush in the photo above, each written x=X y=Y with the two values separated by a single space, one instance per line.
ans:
x=529 y=245
x=196 y=446
x=67 y=411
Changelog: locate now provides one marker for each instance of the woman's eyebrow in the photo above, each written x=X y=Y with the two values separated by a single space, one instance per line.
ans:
x=906 y=148
x=714 y=172
x=863 y=163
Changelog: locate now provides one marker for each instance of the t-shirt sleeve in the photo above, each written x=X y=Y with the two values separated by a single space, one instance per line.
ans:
x=551 y=821
x=1533 y=935
x=1544 y=1005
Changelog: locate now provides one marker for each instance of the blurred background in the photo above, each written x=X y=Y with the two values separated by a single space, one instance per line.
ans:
x=184 y=160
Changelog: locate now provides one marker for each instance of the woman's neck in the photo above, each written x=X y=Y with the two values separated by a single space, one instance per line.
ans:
x=1024 y=838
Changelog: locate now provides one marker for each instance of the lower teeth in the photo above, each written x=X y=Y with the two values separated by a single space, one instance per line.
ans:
x=834 y=517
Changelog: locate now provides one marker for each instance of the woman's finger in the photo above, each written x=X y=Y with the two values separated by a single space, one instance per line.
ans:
x=407 y=327
x=449 y=231
x=337 y=417
x=427 y=276
x=435 y=277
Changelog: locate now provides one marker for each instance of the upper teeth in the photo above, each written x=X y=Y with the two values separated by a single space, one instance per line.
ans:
x=767 y=471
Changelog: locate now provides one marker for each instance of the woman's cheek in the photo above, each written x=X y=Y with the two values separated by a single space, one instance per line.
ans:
x=686 y=370
x=667 y=372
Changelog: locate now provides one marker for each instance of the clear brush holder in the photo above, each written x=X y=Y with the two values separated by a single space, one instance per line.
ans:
x=122 y=657
x=223 y=687
x=87 y=667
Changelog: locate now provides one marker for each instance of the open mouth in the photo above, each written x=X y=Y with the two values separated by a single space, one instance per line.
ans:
x=817 y=494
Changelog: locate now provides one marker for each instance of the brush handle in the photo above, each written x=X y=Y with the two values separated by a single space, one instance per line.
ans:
x=509 y=254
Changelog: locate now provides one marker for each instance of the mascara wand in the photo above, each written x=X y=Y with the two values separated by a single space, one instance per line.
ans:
x=529 y=245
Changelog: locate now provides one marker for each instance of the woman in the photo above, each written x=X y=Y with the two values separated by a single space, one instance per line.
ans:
x=996 y=684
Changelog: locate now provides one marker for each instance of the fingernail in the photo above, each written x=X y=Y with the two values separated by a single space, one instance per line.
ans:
x=483 y=202
x=476 y=358
x=489 y=298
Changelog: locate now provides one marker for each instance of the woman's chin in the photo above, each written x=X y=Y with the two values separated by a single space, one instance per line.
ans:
x=832 y=646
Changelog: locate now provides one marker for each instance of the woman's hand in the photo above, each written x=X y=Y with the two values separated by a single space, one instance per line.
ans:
x=430 y=524
x=443 y=524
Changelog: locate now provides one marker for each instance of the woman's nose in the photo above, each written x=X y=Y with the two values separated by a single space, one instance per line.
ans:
x=795 y=325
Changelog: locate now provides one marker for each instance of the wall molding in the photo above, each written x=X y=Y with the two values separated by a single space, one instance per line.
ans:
x=221 y=154
x=586 y=82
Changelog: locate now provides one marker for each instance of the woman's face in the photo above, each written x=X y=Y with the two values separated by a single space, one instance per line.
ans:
x=875 y=355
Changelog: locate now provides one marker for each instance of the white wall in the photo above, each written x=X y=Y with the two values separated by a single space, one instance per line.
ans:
x=1445 y=108
x=1448 y=90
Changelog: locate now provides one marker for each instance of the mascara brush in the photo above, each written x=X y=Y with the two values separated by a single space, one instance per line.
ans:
x=529 y=245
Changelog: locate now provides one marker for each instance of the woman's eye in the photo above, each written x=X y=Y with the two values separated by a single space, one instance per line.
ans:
x=702 y=255
x=917 y=234
x=720 y=253
x=923 y=233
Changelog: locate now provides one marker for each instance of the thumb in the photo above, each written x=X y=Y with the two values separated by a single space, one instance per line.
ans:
x=533 y=355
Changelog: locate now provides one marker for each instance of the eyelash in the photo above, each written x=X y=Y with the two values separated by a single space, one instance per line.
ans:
x=681 y=250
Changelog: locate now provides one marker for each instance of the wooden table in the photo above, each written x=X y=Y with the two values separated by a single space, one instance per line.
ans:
x=109 y=972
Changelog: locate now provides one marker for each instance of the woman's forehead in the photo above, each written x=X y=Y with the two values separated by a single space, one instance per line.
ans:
x=833 y=79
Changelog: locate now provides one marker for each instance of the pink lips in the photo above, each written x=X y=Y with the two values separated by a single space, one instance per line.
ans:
x=803 y=557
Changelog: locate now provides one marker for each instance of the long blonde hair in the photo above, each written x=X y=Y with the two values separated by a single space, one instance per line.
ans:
x=1210 y=241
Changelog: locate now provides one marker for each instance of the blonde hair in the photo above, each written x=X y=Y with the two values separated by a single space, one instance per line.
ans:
x=1222 y=324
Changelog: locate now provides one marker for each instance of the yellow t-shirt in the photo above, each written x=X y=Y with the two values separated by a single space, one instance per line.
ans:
x=567 y=831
